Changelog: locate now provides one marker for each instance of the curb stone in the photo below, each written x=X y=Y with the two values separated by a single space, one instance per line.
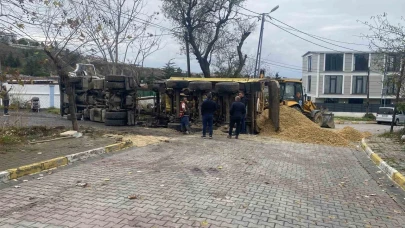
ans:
x=21 y=171
x=355 y=122
x=392 y=173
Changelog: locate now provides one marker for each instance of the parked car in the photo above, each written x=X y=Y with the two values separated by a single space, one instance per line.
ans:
x=384 y=115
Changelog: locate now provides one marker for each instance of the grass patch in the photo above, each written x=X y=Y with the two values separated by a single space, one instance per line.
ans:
x=55 y=111
x=16 y=135
x=354 y=118
x=395 y=135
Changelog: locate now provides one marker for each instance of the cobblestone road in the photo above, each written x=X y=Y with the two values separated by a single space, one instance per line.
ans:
x=191 y=182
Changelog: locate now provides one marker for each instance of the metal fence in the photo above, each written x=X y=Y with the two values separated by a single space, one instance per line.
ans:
x=339 y=107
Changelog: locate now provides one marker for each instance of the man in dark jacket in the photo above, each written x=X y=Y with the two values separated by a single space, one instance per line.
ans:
x=238 y=111
x=208 y=108
x=243 y=121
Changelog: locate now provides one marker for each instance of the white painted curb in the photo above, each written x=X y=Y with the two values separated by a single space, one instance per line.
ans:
x=85 y=155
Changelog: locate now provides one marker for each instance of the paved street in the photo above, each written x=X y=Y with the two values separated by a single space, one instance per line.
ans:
x=192 y=182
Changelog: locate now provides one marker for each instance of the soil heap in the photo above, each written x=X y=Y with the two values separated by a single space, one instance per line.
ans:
x=352 y=134
x=296 y=127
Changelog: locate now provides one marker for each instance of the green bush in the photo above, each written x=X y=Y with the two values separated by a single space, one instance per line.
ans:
x=369 y=116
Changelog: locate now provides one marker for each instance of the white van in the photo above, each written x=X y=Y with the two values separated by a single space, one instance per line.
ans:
x=384 y=115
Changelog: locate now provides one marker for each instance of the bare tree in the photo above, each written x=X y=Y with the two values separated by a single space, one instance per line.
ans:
x=389 y=40
x=59 y=25
x=116 y=27
x=204 y=22
x=229 y=60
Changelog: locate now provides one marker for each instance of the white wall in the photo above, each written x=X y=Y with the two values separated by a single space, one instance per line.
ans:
x=26 y=92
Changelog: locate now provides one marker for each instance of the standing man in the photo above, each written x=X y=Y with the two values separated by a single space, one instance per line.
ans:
x=243 y=121
x=6 y=99
x=208 y=108
x=238 y=111
x=184 y=116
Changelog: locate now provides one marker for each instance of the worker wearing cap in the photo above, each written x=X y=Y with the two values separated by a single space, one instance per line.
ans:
x=184 y=115
x=6 y=99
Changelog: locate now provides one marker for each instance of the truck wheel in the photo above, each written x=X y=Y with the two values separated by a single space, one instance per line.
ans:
x=158 y=88
x=116 y=115
x=98 y=84
x=177 y=84
x=318 y=119
x=115 y=122
x=200 y=86
x=114 y=85
x=227 y=87
x=115 y=78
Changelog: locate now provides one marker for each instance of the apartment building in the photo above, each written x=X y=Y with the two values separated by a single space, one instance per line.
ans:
x=337 y=77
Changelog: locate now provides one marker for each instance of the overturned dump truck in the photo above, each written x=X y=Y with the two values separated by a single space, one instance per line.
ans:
x=110 y=99
x=170 y=93
x=113 y=99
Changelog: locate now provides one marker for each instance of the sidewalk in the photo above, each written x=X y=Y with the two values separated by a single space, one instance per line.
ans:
x=390 y=150
x=13 y=156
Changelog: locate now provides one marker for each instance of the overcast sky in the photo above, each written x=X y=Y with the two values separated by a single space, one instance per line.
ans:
x=332 y=19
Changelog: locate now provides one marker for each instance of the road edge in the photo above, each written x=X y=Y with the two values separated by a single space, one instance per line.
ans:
x=392 y=173
x=30 y=169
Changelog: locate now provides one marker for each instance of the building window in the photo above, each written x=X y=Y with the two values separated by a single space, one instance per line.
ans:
x=331 y=101
x=333 y=84
x=393 y=63
x=390 y=85
x=309 y=84
x=309 y=63
x=355 y=101
x=361 y=62
x=359 y=85
x=334 y=62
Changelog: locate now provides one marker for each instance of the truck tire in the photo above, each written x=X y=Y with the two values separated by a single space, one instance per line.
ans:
x=177 y=84
x=227 y=87
x=114 y=85
x=98 y=84
x=200 y=86
x=158 y=88
x=318 y=119
x=115 y=78
x=115 y=122
x=116 y=115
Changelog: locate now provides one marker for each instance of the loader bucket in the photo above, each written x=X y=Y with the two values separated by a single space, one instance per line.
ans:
x=328 y=120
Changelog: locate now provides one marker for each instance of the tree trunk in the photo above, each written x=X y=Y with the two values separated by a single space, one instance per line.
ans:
x=70 y=91
x=205 y=67
x=397 y=95
x=64 y=81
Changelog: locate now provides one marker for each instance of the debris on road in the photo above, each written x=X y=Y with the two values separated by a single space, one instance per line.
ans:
x=17 y=186
x=132 y=197
x=142 y=140
x=83 y=185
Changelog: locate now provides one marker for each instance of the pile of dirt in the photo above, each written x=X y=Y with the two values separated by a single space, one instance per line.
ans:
x=298 y=128
x=352 y=134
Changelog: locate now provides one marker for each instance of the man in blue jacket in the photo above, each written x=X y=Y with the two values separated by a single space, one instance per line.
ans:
x=238 y=111
x=208 y=108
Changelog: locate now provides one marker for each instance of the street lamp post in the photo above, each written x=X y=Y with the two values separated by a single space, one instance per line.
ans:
x=259 y=47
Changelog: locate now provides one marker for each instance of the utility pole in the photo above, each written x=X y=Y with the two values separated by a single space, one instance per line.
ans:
x=259 y=46
x=368 y=91
x=188 y=54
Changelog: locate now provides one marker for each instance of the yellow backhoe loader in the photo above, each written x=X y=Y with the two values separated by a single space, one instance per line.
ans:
x=291 y=94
